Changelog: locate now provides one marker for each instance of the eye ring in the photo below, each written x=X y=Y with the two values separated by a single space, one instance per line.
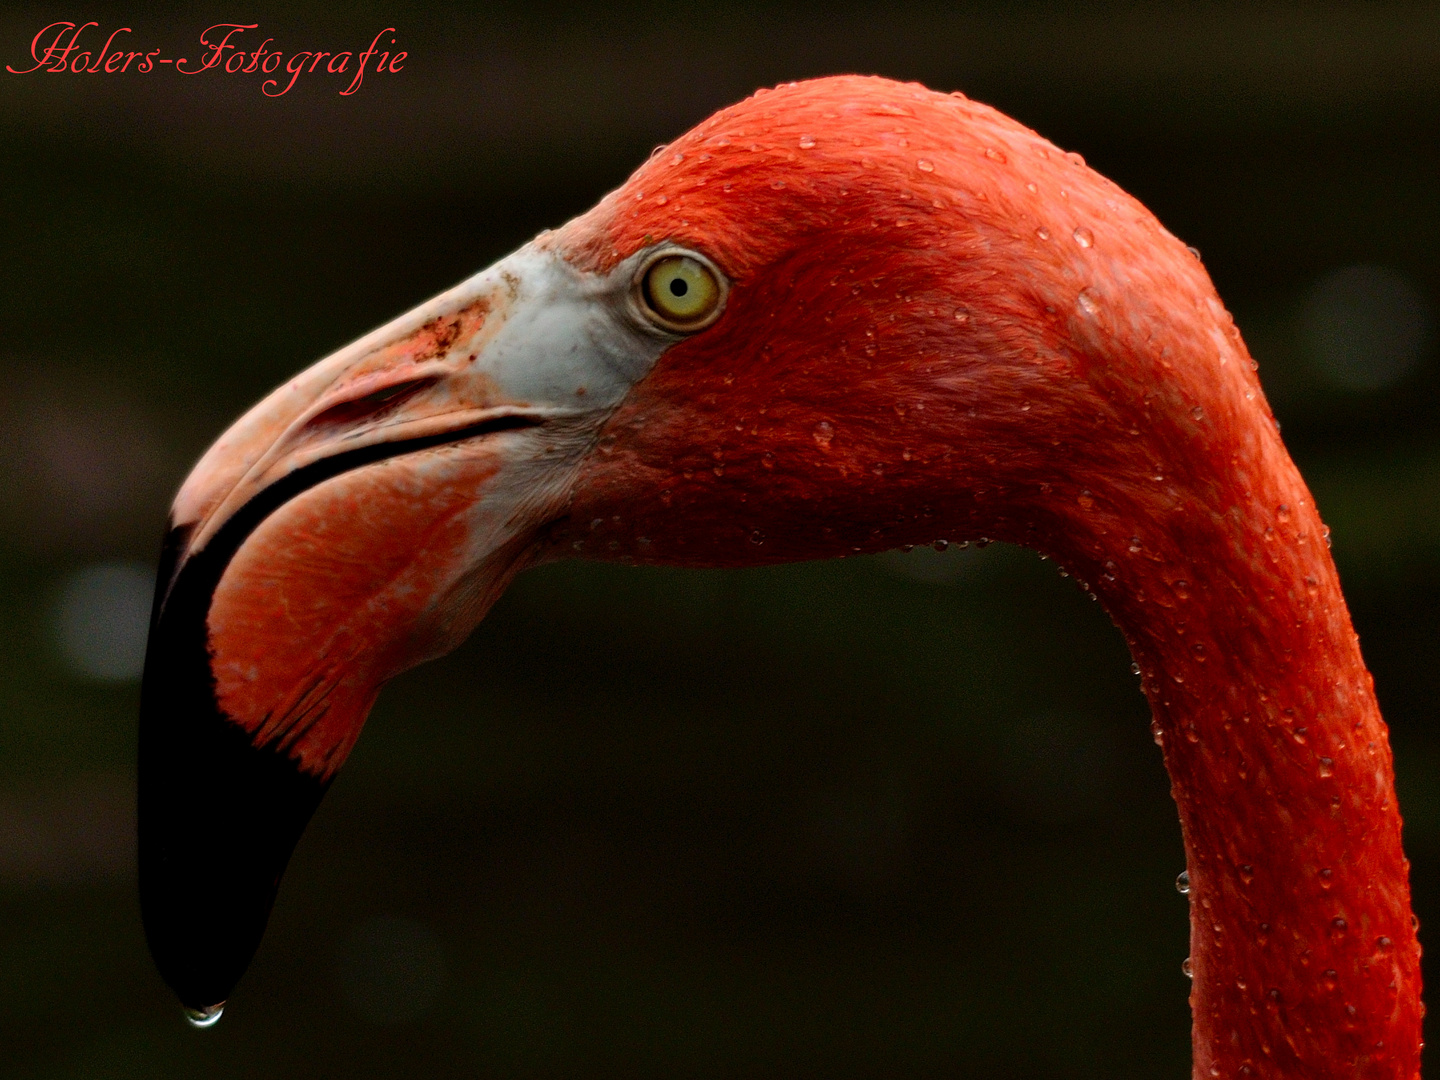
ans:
x=679 y=290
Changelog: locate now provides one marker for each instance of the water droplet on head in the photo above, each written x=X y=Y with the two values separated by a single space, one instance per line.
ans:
x=1088 y=303
x=205 y=1016
x=1327 y=768
x=996 y=155
x=824 y=432
x=807 y=141
x=1338 y=926
x=1134 y=668
x=1182 y=589
x=1187 y=969
x=1182 y=883
x=1247 y=873
x=1043 y=233
x=1197 y=413
x=1083 y=236
x=940 y=545
x=757 y=537
x=925 y=166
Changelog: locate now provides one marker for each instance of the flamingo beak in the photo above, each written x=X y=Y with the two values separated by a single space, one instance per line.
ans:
x=359 y=520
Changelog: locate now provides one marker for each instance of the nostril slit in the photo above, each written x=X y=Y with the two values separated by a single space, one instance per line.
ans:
x=372 y=404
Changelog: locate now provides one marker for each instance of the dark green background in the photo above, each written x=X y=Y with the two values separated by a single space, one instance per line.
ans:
x=825 y=820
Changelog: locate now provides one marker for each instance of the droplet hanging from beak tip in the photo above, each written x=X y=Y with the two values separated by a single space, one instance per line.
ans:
x=205 y=1016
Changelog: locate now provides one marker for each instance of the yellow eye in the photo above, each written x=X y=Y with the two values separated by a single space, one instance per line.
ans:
x=681 y=292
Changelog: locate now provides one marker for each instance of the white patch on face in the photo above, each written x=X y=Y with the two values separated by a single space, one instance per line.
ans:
x=566 y=331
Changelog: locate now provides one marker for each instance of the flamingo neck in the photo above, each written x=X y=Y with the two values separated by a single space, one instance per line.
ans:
x=941 y=326
x=1302 y=944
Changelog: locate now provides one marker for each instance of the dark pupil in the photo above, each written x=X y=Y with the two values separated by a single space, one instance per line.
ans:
x=678 y=287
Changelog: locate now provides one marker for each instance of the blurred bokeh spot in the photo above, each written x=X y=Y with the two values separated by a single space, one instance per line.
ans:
x=1366 y=327
x=99 y=620
x=391 y=969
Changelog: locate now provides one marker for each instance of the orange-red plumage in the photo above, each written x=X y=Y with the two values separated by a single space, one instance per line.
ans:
x=965 y=332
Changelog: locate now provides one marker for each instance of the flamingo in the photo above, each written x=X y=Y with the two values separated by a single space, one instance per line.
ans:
x=841 y=316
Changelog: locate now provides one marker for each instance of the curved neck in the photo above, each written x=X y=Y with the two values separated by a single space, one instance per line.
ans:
x=1302 y=944
x=979 y=336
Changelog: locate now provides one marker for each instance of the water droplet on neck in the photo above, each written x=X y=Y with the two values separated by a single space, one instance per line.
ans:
x=1043 y=233
x=1083 y=236
x=205 y=1016
x=925 y=166
x=807 y=142
x=1187 y=969
x=1088 y=303
x=1182 y=883
x=824 y=432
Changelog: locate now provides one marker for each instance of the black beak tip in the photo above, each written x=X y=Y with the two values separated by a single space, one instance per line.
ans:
x=218 y=816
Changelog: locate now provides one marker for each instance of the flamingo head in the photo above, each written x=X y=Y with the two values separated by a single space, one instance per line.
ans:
x=841 y=316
